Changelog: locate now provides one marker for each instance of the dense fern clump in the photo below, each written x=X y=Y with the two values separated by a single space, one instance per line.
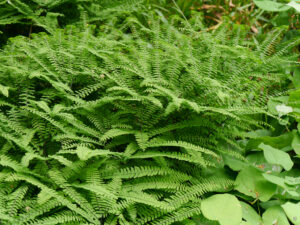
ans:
x=24 y=17
x=127 y=126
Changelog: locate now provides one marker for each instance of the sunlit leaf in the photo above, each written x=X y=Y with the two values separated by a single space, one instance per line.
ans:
x=224 y=208
x=251 y=182
x=277 y=157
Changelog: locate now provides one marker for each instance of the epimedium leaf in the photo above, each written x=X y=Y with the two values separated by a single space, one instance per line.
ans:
x=281 y=182
x=224 y=208
x=271 y=203
x=283 y=109
x=234 y=163
x=292 y=173
x=277 y=157
x=273 y=102
x=251 y=182
x=259 y=133
x=246 y=223
x=292 y=180
x=296 y=143
x=295 y=5
x=275 y=215
x=271 y=6
x=280 y=142
x=250 y=215
x=258 y=160
x=292 y=211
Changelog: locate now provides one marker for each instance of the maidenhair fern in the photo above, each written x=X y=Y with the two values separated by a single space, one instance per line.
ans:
x=126 y=126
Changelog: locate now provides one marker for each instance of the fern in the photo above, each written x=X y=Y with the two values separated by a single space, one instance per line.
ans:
x=125 y=126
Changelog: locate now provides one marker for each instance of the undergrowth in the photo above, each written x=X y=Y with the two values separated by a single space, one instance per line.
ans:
x=135 y=121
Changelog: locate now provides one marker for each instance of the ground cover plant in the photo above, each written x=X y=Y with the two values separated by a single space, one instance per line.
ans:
x=131 y=113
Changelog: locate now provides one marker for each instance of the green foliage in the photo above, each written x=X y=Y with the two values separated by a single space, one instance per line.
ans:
x=292 y=211
x=222 y=207
x=250 y=216
x=24 y=17
x=271 y=177
x=276 y=6
x=135 y=120
x=275 y=214
x=275 y=156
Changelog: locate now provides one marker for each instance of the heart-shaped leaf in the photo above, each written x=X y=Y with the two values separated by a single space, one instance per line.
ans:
x=251 y=182
x=292 y=211
x=250 y=215
x=296 y=143
x=224 y=208
x=295 y=5
x=277 y=157
x=275 y=215
x=271 y=6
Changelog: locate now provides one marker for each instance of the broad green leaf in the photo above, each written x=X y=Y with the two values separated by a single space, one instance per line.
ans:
x=275 y=215
x=296 y=143
x=258 y=160
x=234 y=163
x=292 y=180
x=281 y=182
x=251 y=182
x=283 y=109
x=292 y=173
x=271 y=6
x=258 y=133
x=279 y=142
x=295 y=5
x=246 y=223
x=292 y=211
x=277 y=157
x=273 y=102
x=274 y=179
x=250 y=215
x=271 y=203
x=224 y=208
